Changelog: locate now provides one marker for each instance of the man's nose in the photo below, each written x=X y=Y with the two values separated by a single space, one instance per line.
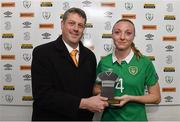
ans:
x=76 y=27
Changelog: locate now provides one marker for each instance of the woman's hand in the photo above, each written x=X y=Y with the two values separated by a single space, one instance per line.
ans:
x=122 y=100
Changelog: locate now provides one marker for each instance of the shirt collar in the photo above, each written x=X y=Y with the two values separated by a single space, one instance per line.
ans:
x=70 y=49
x=127 y=59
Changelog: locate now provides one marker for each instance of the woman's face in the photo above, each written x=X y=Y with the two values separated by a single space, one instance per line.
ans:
x=123 y=35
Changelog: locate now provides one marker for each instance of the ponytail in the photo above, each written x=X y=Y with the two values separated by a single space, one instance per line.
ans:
x=136 y=51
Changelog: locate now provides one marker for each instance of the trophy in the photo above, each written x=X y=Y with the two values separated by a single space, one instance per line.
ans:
x=111 y=85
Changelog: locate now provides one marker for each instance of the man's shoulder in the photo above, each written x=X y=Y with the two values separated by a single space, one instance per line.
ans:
x=44 y=48
x=48 y=45
x=86 y=50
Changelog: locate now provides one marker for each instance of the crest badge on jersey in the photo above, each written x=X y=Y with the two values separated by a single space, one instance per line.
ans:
x=133 y=70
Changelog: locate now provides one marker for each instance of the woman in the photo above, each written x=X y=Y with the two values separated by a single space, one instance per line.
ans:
x=136 y=72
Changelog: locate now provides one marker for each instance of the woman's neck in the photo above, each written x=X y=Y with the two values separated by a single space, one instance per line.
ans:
x=122 y=54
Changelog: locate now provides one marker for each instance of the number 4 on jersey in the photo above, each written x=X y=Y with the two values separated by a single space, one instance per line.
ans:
x=119 y=85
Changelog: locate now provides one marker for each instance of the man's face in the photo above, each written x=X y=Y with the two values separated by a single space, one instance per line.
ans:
x=123 y=35
x=72 y=29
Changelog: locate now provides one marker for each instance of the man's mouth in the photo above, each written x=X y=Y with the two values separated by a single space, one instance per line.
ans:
x=74 y=34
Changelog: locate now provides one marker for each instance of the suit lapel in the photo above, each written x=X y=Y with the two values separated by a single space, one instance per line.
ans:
x=59 y=44
x=61 y=47
x=83 y=53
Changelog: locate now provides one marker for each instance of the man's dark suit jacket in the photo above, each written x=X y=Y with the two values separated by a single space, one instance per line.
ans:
x=58 y=85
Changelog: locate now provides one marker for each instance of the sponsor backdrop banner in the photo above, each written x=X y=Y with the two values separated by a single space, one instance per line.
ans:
x=28 y=23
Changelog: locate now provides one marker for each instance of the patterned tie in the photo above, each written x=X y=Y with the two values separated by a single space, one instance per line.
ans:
x=73 y=56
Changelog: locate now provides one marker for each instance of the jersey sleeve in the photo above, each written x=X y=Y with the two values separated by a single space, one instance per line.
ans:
x=151 y=75
x=98 y=71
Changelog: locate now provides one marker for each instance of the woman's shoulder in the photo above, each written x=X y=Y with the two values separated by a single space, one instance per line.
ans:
x=106 y=58
x=146 y=59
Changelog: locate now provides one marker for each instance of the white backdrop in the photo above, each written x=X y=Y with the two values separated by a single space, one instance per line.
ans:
x=28 y=23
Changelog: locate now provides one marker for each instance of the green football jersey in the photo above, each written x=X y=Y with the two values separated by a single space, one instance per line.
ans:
x=135 y=76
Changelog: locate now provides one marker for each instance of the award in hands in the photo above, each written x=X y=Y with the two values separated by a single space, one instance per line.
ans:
x=111 y=85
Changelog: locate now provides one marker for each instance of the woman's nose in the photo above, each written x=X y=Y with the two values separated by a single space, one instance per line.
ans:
x=122 y=36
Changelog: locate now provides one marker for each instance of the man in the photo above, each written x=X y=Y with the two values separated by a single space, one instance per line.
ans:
x=62 y=85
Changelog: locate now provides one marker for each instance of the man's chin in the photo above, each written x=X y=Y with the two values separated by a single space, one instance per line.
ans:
x=75 y=41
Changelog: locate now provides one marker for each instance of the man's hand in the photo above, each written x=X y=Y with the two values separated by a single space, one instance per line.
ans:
x=94 y=104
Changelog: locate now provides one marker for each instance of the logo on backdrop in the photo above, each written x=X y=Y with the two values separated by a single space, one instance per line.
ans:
x=169 y=59
x=169 y=69
x=8 y=25
x=26 y=24
x=27 y=88
x=86 y=3
x=149 y=6
x=107 y=25
x=27 y=3
x=26 y=46
x=169 y=17
x=108 y=14
x=169 y=7
x=149 y=36
x=27 y=98
x=8 y=66
x=169 y=48
x=149 y=48
x=149 y=16
x=108 y=47
x=66 y=6
x=9 y=98
x=7 y=46
x=169 y=79
x=128 y=6
x=46 y=15
x=27 y=77
x=168 y=99
x=7 y=35
x=27 y=57
x=46 y=4
x=46 y=35
x=8 y=77
x=9 y=87
x=169 y=28
x=27 y=36
x=107 y=35
x=7 y=14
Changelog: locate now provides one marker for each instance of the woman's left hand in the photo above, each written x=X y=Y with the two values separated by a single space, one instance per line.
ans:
x=122 y=100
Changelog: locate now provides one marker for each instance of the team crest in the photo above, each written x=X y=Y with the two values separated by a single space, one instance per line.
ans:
x=133 y=70
x=27 y=3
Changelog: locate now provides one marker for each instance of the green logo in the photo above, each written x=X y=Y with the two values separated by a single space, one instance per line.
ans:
x=133 y=70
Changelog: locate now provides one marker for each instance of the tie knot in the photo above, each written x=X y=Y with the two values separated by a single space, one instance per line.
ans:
x=74 y=52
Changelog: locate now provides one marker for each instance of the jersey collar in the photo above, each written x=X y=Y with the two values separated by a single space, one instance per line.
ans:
x=127 y=59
